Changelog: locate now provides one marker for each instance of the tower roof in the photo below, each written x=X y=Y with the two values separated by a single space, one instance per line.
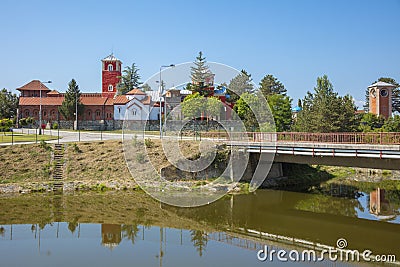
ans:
x=381 y=84
x=110 y=58
x=34 y=85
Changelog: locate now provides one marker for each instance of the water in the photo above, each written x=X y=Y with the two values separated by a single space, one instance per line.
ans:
x=130 y=229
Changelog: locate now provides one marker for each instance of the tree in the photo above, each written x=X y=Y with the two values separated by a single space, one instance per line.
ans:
x=371 y=122
x=8 y=104
x=146 y=87
x=239 y=85
x=73 y=94
x=129 y=80
x=280 y=106
x=196 y=105
x=325 y=111
x=199 y=75
x=270 y=85
x=200 y=240
x=392 y=124
x=245 y=113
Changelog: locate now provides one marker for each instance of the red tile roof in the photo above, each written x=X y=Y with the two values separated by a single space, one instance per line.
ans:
x=136 y=92
x=53 y=93
x=35 y=101
x=34 y=85
x=120 y=100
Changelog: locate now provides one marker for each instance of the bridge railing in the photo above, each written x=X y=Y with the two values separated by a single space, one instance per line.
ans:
x=379 y=138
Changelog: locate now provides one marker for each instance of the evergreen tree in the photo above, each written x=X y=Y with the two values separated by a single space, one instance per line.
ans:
x=129 y=80
x=8 y=104
x=146 y=87
x=366 y=104
x=239 y=85
x=325 y=111
x=200 y=72
x=73 y=94
x=270 y=85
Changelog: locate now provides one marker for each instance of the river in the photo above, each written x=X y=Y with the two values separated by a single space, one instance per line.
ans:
x=128 y=228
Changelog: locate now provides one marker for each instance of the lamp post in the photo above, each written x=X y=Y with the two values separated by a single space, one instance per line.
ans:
x=160 y=93
x=40 y=105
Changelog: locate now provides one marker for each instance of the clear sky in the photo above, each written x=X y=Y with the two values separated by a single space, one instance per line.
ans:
x=353 y=42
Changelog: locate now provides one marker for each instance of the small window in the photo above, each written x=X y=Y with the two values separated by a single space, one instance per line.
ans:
x=134 y=112
x=26 y=113
x=110 y=67
x=384 y=93
x=119 y=110
x=110 y=88
x=44 y=113
x=98 y=113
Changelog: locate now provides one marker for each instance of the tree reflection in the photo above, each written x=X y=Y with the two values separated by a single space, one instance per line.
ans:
x=199 y=239
x=130 y=231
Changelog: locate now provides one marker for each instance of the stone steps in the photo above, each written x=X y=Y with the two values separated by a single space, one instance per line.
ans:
x=58 y=158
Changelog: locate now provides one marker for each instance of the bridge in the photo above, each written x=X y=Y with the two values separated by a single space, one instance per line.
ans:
x=365 y=150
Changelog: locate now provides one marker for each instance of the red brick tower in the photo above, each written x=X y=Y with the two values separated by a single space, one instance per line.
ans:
x=111 y=70
x=380 y=99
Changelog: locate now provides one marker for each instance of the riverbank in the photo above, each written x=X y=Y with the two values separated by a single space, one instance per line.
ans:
x=101 y=166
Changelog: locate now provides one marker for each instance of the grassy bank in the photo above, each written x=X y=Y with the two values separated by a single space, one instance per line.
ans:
x=17 y=137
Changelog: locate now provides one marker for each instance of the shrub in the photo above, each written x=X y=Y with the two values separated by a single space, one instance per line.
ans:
x=75 y=148
x=44 y=145
x=148 y=143
x=140 y=157
x=55 y=125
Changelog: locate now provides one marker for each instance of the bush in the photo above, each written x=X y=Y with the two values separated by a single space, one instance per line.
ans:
x=44 y=145
x=75 y=148
x=148 y=143
x=140 y=158
x=54 y=126
x=5 y=125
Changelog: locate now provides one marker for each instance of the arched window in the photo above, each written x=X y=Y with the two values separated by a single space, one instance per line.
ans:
x=134 y=112
x=110 y=88
x=27 y=113
x=110 y=67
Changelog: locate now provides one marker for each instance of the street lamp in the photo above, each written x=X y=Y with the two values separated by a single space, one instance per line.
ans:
x=40 y=105
x=160 y=93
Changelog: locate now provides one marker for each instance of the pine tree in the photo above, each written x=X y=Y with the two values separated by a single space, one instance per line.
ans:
x=366 y=104
x=200 y=72
x=129 y=80
x=270 y=85
x=325 y=111
x=240 y=84
x=68 y=106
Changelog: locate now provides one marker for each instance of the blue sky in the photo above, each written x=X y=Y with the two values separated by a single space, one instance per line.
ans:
x=353 y=42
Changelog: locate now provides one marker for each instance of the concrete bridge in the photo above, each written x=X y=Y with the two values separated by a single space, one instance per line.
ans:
x=365 y=150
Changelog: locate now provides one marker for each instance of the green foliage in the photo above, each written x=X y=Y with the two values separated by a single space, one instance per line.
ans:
x=129 y=80
x=280 y=106
x=269 y=85
x=199 y=75
x=371 y=122
x=244 y=111
x=240 y=84
x=196 y=105
x=148 y=143
x=392 y=124
x=145 y=87
x=75 y=148
x=8 y=104
x=68 y=106
x=5 y=125
x=44 y=145
x=55 y=125
x=140 y=158
x=325 y=111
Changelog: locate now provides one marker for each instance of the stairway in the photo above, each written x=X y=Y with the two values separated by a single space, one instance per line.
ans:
x=58 y=160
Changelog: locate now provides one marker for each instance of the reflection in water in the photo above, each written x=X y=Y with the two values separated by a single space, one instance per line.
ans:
x=380 y=206
x=139 y=231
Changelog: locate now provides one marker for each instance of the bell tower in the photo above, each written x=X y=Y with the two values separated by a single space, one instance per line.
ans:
x=380 y=99
x=110 y=73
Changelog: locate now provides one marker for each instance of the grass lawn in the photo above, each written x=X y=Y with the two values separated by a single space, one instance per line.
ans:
x=7 y=138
